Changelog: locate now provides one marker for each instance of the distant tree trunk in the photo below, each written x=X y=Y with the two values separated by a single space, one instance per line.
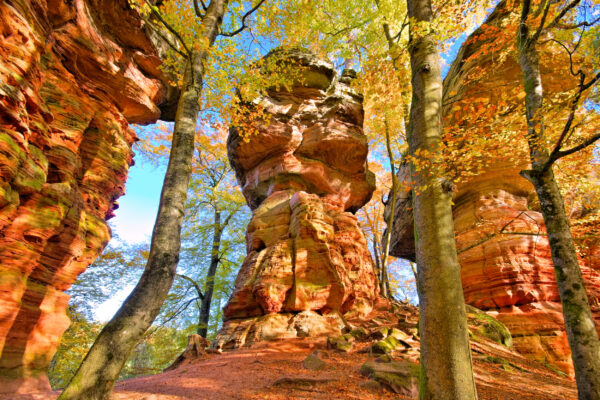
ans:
x=446 y=370
x=390 y=221
x=579 y=322
x=99 y=370
x=377 y=261
x=210 y=276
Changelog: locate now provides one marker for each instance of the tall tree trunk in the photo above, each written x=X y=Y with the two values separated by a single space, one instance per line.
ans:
x=210 y=276
x=99 y=370
x=446 y=370
x=579 y=322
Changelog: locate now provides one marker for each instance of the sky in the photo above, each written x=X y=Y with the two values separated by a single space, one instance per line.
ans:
x=134 y=219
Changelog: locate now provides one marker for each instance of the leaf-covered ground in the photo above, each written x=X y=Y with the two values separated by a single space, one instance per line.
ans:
x=275 y=371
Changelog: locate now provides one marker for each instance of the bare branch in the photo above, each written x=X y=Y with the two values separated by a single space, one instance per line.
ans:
x=570 y=53
x=179 y=311
x=194 y=284
x=578 y=25
x=241 y=28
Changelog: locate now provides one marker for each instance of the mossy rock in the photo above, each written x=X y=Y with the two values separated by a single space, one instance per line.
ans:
x=399 y=377
x=379 y=334
x=313 y=362
x=340 y=343
x=399 y=335
x=359 y=333
x=385 y=346
x=487 y=326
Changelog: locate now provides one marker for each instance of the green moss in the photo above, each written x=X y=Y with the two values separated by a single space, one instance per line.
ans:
x=385 y=346
x=10 y=91
x=505 y=364
x=339 y=343
x=487 y=326
x=359 y=333
x=33 y=171
x=397 y=376
x=554 y=368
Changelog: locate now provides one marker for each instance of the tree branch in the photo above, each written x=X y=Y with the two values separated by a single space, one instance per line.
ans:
x=562 y=13
x=540 y=28
x=193 y=282
x=159 y=16
x=241 y=28
x=197 y=9
x=579 y=147
x=579 y=25
x=556 y=152
x=164 y=37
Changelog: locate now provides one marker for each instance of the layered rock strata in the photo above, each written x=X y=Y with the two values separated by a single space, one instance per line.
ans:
x=507 y=269
x=303 y=173
x=73 y=75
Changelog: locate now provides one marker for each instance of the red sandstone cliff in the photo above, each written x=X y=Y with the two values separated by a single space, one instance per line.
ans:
x=73 y=74
x=308 y=263
x=506 y=272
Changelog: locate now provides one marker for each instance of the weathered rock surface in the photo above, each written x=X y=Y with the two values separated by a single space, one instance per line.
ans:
x=507 y=269
x=72 y=75
x=303 y=174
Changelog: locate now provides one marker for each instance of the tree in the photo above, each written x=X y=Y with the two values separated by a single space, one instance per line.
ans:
x=579 y=322
x=215 y=173
x=96 y=376
x=214 y=206
x=446 y=370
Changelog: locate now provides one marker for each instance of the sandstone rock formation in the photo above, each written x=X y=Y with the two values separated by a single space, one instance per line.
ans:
x=72 y=75
x=308 y=268
x=507 y=268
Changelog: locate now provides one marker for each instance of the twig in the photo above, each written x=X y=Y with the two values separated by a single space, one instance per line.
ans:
x=241 y=28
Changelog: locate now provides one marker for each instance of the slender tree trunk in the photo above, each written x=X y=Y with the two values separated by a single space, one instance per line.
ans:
x=99 y=370
x=378 y=267
x=390 y=221
x=210 y=276
x=446 y=370
x=579 y=322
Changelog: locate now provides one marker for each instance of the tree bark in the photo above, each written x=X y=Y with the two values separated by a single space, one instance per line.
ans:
x=446 y=370
x=210 y=276
x=99 y=370
x=579 y=322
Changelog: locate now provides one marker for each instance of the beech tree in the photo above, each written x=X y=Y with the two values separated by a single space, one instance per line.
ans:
x=192 y=40
x=446 y=368
x=579 y=322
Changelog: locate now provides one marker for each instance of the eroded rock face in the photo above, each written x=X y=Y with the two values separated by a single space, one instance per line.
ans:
x=507 y=269
x=72 y=75
x=308 y=266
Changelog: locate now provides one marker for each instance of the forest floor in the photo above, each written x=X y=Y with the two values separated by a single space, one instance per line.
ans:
x=275 y=371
